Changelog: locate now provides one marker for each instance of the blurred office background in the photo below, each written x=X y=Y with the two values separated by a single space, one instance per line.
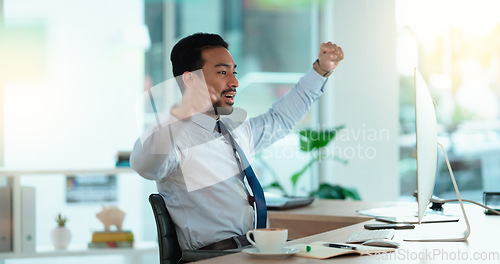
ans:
x=71 y=72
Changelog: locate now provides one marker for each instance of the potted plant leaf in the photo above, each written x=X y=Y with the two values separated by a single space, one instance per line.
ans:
x=315 y=141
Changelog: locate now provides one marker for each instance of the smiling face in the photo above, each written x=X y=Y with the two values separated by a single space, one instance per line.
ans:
x=219 y=70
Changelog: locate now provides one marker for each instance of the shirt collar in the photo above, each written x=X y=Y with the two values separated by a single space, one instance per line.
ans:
x=206 y=122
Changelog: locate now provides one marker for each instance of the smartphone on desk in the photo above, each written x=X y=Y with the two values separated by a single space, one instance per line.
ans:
x=389 y=226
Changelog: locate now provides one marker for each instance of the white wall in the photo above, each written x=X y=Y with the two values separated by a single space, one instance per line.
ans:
x=1 y=102
x=75 y=105
x=73 y=72
x=365 y=98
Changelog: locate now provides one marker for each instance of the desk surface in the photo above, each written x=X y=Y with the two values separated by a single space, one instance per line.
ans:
x=331 y=210
x=319 y=217
x=481 y=247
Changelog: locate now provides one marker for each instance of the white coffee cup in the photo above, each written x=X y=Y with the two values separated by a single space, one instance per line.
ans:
x=268 y=240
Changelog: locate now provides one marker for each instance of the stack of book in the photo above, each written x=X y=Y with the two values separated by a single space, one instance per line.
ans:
x=113 y=239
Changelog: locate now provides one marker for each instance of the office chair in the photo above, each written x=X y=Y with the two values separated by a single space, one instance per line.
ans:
x=170 y=251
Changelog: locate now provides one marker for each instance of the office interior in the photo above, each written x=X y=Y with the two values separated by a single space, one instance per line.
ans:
x=71 y=73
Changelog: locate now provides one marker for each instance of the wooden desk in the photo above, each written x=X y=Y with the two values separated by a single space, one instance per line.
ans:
x=320 y=216
x=481 y=247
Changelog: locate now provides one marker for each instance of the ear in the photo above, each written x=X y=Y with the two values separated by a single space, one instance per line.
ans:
x=187 y=78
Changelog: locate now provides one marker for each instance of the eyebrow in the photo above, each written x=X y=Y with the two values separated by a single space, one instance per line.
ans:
x=224 y=65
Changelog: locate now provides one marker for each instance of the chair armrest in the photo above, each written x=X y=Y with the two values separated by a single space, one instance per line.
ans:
x=195 y=255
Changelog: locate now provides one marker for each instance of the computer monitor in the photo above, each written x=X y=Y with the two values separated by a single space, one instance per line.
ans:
x=426 y=132
x=427 y=143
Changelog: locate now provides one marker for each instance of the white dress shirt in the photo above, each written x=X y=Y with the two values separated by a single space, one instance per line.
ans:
x=195 y=169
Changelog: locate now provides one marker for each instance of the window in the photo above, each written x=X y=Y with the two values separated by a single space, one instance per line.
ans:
x=270 y=59
x=455 y=46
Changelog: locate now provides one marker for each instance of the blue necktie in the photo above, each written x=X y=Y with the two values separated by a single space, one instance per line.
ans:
x=260 y=200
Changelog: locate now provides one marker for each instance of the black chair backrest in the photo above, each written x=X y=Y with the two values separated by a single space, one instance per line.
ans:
x=170 y=251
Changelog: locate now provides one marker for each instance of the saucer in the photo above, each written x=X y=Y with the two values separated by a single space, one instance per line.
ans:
x=287 y=251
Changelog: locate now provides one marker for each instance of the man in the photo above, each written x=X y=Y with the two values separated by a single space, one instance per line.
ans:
x=199 y=171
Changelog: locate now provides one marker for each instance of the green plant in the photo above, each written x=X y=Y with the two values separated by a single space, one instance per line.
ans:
x=61 y=220
x=328 y=191
x=315 y=141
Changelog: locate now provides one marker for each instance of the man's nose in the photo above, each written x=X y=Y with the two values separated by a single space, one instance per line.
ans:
x=233 y=82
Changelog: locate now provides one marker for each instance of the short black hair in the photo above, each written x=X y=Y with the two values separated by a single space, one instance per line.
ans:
x=186 y=54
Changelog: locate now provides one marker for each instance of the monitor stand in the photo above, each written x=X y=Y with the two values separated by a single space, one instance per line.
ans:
x=425 y=237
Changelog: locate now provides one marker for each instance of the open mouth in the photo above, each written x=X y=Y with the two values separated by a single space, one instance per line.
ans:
x=228 y=97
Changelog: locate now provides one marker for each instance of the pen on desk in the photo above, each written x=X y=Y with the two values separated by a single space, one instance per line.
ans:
x=338 y=246
x=301 y=247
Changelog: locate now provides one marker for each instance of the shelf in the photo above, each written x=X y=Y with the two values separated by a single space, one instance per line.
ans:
x=13 y=180
x=19 y=172
x=139 y=248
